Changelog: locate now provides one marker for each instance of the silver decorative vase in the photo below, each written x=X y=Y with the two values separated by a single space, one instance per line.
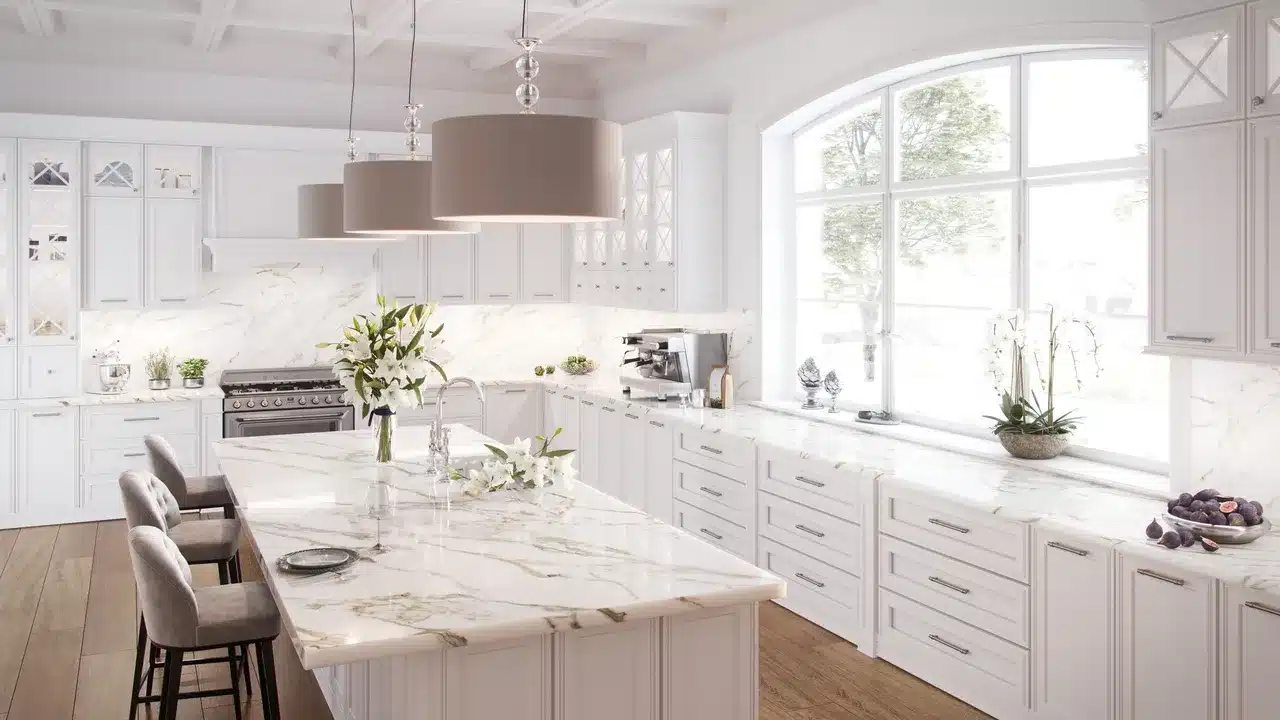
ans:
x=158 y=383
x=811 y=399
x=1034 y=447
x=193 y=383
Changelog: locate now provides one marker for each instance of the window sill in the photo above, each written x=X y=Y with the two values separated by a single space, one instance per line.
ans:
x=1153 y=485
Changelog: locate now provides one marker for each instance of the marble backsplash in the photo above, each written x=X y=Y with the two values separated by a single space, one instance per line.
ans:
x=1232 y=430
x=274 y=318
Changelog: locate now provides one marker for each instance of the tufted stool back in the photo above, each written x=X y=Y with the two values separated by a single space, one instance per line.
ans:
x=165 y=595
x=147 y=501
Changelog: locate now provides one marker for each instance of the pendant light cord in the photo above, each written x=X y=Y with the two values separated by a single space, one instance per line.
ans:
x=414 y=46
x=524 y=20
x=351 y=108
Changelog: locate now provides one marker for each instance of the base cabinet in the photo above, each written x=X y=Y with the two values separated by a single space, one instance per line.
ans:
x=659 y=475
x=47 y=472
x=8 y=465
x=614 y=671
x=524 y=666
x=512 y=412
x=1251 y=630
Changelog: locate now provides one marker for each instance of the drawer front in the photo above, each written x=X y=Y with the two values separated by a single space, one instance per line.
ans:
x=116 y=456
x=135 y=421
x=829 y=539
x=724 y=454
x=838 y=606
x=715 y=530
x=100 y=497
x=993 y=603
x=713 y=493
x=981 y=669
x=841 y=492
x=457 y=403
x=978 y=538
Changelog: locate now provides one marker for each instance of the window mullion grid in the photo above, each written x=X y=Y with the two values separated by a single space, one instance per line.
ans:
x=1021 y=106
x=888 y=253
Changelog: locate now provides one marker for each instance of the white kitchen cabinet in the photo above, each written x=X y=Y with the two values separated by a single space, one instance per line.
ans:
x=8 y=372
x=257 y=190
x=8 y=246
x=175 y=229
x=211 y=429
x=658 y=469
x=47 y=465
x=1251 y=627
x=1197 y=69
x=709 y=665
x=1264 y=234
x=1168 y=642
x=512 y=412
x=608 y=469
x=402 y=270
x=1263 y=63
x=1198 y=240
x=498 y=264
x=174 y=171
x=49 y=307
x=614 y=670
x=113 y=169
x=1073 y=614
x=450 y=271
x=589 y=438
x=567 y=419
x=543 y=265
x=48 y=371
x=113 y=253
x=525 y=668
x=8 y=466
x=632 y=458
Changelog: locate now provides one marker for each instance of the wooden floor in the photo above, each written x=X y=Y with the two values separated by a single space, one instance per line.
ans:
x=68 y=629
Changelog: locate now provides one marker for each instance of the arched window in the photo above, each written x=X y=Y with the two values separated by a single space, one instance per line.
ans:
x=927 y=207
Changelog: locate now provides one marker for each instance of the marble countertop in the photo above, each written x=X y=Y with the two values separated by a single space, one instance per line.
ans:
x=457 y=570
x=132 y=396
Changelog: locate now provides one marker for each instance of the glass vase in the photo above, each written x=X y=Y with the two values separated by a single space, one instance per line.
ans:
x=383 y=422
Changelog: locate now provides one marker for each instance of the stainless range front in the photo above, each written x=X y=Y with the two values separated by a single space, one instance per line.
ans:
x=283 y=401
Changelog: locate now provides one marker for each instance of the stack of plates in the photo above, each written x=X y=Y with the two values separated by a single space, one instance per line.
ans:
x=316 y=560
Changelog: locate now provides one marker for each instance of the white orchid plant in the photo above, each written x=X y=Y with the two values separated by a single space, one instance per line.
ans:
x=519 y=467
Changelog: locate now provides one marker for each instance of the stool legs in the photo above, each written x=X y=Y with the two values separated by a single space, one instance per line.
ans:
x=137 y=668
x=172 y=684
x=267 y=680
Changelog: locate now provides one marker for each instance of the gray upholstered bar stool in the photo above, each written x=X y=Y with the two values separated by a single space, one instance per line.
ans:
x=184 y=619
x=198 y=492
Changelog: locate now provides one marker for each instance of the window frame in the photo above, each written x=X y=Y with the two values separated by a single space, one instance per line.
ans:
x=1019 y=180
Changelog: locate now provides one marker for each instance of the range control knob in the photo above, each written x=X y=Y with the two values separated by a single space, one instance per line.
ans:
x=235 y=404
x=278 y=402
x=250 y=404
x=315 y=400
x=328 y=399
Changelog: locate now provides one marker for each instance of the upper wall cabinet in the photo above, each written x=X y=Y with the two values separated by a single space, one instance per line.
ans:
x=257 y=190
x=1197 y=69
x=1263 y=68
x=498 y=264
x=174 y=231
x=174 y=171
x=113 y=169
x=542 y=265
x=402 y=270
x=49 y=306
x=451 y=269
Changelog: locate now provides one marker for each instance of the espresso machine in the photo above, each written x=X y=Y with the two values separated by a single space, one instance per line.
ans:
x=666 y=362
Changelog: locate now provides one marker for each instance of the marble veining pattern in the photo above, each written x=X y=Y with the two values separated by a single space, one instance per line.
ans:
x=133 y=396
x=1234 y=414
x=459 y=570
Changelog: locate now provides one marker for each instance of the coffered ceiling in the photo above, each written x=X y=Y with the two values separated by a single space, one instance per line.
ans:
x=462 y=44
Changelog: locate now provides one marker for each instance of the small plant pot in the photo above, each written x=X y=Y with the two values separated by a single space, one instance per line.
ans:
x=193 y=383
x=1034 y=447
x=158 y=383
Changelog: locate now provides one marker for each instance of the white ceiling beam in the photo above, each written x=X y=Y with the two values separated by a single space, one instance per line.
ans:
x=581 y=12
x=37 y=18
x=393 y=20
x=211 y=27
x=663 y=16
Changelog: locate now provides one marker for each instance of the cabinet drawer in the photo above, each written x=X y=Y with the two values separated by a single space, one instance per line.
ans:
x=715 y=530
x=135 y=421
x=824 y=594
x=725 y=454
x=840 y=492
x=713 y=493
x=975 y=537
x=116 y=456
x=51 y=371
x=980 y=669
x=829 y=539
x=998 y=605
x=100 y=497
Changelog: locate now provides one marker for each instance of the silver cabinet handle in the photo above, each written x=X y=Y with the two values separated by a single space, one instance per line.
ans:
x=950 y=586
x=949 y=526
x=142 y=419
x=135 y=455
x=1163 y=578
x=1067 y=548
x=46 y=414
x=710 y=534
x=515 y=391
x=1157 y=115
x=546 y=294
x=406 y=297
x=113 y=300
x=1189 y=338
x=811 y=531
x=1264 y=608
x=1257 y=101
x=173 y=299
x=499 y=295
x=712 y=450
x=953 y=646
x=710 y=492
x=810 y=481
x=588 y=403
x=609 y=409
x=631 y=417
x=655 y=423
x=1275 y=344
x=811 y=581
x=570 y=397
x=453 y=297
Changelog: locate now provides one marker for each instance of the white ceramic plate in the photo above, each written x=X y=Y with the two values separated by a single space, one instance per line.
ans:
x=316 y=560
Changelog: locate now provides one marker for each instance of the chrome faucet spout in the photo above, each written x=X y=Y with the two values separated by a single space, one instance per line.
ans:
x=439 y=433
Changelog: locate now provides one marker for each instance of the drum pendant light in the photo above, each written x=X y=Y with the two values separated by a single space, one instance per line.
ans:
x=526 y=168
x=393 y=197
x=320 y=205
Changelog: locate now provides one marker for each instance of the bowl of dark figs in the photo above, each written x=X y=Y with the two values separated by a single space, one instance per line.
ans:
x=1224 y=519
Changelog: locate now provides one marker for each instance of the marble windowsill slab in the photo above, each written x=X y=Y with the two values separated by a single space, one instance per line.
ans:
x=459 y=570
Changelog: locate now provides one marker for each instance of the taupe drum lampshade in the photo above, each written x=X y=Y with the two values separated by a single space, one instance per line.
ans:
x=320 y=214
x=392 y=197
x=526 y=169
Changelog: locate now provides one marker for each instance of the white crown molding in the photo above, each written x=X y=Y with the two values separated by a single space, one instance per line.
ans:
x=238 y=254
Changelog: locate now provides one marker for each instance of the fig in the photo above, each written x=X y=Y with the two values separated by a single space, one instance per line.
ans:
x=1185 y=499
x=1206 y=494
x=1171 y=540
x=1236 y=520
x=1229 y=506
x=1210 y=506
x=1208 y=545
x=1258 y=506
x=1217 y=518
x=1199 y=516
x=1173 y=503
x=1196 y=505
x=1250 y=514
x=1187 y=537
x=1154 y=531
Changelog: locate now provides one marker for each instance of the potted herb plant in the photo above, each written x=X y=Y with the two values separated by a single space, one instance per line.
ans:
x=159 y=364
x=1027 y=429
x=192 y=372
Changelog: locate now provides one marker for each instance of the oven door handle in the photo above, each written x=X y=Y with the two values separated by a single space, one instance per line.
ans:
x=328 y=414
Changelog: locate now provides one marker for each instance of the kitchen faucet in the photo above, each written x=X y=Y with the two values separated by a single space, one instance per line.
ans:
x=439 y=446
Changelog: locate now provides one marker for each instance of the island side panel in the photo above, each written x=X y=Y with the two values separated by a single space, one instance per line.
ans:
x=710 y=662
x=611 y=672
x=510 y=680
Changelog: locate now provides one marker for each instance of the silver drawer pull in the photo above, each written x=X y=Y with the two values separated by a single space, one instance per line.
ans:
x=710 y=534
x=711 y=492
x=1162 y=578
x=655 y=423
x=142 y=419
x=1264 y=608
x=953 y=646
x=544 y=294
x=499 y=295
x=609 y=409
x=811 y=581
x=48 y=414
x=173 y=299
x=810 y=481
x=516 y=391
x=588 y=403
x=632 y=417
x=452 y=297
x=1189 y=338
x=811 y=531
x=712 y=450
x=949 y=526
x=949 y=586
x=1067 y=548
x=113 y=300
x=135 y=455
x=1275 y=344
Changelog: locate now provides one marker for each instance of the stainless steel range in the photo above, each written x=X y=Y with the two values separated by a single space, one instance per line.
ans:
x=283 y=401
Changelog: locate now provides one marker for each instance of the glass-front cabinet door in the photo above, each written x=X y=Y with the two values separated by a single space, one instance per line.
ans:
x=1264 y=61
x=113 y=169
x=174 y=171
x=1197 y=72
x=639 y=195
x=8 y=228
x=49 y=241
x=664 y=188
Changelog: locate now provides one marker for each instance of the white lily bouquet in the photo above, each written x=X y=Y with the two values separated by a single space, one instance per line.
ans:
x=384 y=360
x=518 y=467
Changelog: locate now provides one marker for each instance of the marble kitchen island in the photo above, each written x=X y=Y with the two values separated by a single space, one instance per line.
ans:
x=559 y=603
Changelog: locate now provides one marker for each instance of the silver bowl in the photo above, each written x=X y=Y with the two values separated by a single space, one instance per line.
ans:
x=114 y=377
x=1221 y=534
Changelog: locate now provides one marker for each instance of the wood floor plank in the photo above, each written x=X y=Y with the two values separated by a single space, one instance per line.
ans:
x=75 y=541
x=111 y=621
x=47 y=684
x=102 y=691
x=111 y=550
x=20 y=586
x=66 y=595
x=7 y=539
